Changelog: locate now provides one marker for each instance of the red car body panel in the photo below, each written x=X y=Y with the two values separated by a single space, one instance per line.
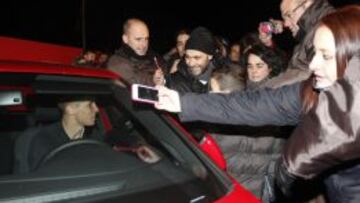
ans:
x=238 y=195
x=25 y=50
x=58 y=69
x=23 y=56
x=207 y=144
x=210 y=147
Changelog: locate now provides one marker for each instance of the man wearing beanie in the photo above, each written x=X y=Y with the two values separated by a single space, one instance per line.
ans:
x=195 y=68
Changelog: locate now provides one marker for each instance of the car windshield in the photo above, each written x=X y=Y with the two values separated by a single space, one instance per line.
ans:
x=115 y=170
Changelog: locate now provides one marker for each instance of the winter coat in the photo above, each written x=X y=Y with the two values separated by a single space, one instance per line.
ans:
x=251 y=153
x=298 y=68
x=183 y=82
x=327 y=141
x=132 y=67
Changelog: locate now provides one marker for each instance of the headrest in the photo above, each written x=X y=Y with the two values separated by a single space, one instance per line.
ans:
x=47 y=114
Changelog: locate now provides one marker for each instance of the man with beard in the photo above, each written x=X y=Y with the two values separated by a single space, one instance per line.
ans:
x=195 y=69
x=134 y=61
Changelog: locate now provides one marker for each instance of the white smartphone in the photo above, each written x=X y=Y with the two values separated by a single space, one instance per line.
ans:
x=143 y=93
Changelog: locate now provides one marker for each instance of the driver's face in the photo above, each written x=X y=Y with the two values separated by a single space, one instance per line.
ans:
x=85 y=112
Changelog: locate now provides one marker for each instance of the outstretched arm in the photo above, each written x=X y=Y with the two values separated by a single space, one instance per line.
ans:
x=265 y=107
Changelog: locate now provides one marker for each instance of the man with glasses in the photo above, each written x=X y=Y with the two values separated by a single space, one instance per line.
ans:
x=301 y=18
x=292 y=16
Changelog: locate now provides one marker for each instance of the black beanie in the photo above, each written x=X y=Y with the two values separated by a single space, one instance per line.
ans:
x=202 y=40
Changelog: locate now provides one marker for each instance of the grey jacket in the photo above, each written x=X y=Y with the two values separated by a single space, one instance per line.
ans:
x=251 y=153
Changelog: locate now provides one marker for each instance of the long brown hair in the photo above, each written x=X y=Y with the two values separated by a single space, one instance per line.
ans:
x=345 y=27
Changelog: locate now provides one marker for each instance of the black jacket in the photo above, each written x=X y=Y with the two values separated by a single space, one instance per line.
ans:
x=35 y=143
x=183 y=82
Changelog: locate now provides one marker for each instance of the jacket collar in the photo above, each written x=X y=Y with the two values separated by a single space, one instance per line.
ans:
x=127 y=52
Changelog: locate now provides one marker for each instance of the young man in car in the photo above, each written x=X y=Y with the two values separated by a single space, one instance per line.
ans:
x=77 y=122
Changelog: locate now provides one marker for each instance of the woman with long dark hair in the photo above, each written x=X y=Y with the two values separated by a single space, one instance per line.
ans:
x=327 y=140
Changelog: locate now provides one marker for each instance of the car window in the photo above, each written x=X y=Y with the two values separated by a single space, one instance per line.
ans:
x=125 y=125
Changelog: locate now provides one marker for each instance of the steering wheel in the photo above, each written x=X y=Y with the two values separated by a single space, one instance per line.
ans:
x=67 y=146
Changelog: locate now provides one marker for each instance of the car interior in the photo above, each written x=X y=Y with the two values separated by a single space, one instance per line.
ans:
x=103 y=172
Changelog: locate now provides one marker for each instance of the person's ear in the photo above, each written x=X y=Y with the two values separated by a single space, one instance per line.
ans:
x=125 y=38
x=71 y=108
x=210 y=57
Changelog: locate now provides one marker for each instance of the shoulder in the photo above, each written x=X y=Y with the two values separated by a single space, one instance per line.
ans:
x=48 y=131
x=290 y=76
x=116 y=59
x=117 y=63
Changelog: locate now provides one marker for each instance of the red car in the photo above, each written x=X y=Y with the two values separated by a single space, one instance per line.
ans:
x=34 y=76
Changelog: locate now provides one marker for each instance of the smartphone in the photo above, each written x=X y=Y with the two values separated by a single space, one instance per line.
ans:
x=143 y=93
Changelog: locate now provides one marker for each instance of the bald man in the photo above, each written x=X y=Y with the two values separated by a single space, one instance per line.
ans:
x=134 y=61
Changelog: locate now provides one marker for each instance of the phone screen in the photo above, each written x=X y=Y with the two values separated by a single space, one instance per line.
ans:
x=148 y=94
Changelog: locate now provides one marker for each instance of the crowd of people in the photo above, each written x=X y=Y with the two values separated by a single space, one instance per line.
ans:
x=323 y=147
x=287 y=122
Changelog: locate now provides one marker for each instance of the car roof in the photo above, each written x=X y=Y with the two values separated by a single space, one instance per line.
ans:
x=53 y=69
x=25 y=56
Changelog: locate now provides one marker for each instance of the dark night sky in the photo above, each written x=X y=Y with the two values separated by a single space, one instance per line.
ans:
x=60 y=21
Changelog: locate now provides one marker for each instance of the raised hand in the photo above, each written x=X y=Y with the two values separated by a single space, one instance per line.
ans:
x=169 y=100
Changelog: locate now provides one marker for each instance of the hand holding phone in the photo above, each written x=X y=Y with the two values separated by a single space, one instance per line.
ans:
x=158 y=77
x=156 y=63
x=143 y=93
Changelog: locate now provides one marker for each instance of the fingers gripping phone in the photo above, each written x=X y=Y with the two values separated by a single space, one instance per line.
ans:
x=143 y=93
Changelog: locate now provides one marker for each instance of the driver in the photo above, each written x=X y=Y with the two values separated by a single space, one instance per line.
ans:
x=77 y=122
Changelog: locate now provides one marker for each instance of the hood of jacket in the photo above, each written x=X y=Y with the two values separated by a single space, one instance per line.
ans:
x=312 y=16
x=303 y=52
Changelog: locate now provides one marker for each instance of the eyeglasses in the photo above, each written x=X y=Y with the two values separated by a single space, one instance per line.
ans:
x=289 y=14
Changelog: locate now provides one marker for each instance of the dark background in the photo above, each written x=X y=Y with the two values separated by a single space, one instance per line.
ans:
x=61 y=22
